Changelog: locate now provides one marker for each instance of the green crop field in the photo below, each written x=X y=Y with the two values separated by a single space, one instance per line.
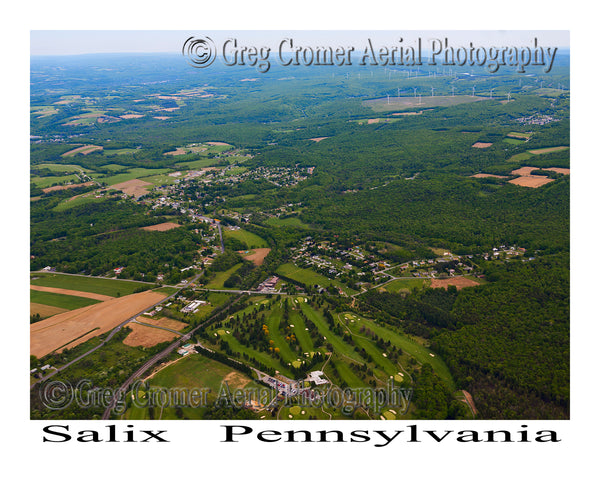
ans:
x=519 y=157
x=220 y=277
x=44 y=182
x=77 y=201
x=287 y=222
x=196 y=164
x=104 y=286
x=405 y=284
x=57 y=167
x=70 y=302
x=133 y=173
x=250 y=239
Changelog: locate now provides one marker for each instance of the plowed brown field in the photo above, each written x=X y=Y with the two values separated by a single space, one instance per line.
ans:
x=69 y=329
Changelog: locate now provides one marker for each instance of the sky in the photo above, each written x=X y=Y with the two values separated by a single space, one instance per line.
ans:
x=74 y=42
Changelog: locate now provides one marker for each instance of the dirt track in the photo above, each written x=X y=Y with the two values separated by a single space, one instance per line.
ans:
x=161 y=227
x=533 y=181
x=135 y=187
x=65 y=187
x=144 y=336
x=258 y=255
x=458 y=282
x=77 y=326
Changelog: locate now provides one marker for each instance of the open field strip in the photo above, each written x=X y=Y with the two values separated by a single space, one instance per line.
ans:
x=104 y=286
x=76 y=293
x=67 y=302
x=540 y=151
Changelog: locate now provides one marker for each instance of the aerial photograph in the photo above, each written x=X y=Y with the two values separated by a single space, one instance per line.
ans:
x=297 y=225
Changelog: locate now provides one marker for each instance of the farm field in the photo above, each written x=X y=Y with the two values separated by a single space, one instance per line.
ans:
x=194 y=371
x=83 y=150
x=406 y=284
x=257 y=255
x=540 y=151
x=144 y=336
x=250 y=239
x=66 y=302
x=131 y=174
x=221 y=277
x=44 y=311
x=45 y=182
x=533 y=181
x=59 y=167
x=77 y=200
x=458 y=282
x=69 y=329
x=103 y=286
x=286 y=222
x=161 y=227
x=77 y=293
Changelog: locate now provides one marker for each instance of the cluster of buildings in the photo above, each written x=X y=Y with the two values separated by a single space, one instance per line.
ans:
x=537 y=119
x=193 y=306
x=268 y=286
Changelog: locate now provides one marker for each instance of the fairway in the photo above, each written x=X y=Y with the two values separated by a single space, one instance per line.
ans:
x=419 y=352
x=104 y=286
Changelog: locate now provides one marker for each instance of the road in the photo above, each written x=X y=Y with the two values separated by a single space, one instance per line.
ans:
x=221 y=235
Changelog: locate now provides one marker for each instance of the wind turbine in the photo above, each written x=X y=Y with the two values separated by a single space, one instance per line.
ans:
x=473 y=94
x=508 y=96
x=432 y=89
x=388 y=99
x=398 y=92
x=491 y=91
